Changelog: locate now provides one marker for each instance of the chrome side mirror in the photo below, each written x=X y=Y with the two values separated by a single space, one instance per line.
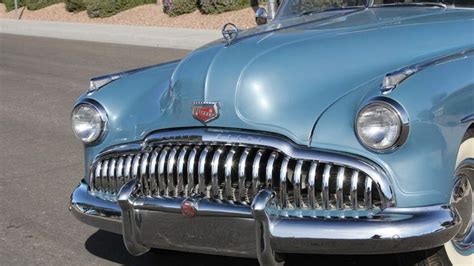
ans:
x=261 y=16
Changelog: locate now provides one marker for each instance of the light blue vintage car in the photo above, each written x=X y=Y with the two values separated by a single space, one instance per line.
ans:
x=337 y=127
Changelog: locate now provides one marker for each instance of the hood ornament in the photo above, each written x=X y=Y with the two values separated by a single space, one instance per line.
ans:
x=230 y=32
x=205 y=111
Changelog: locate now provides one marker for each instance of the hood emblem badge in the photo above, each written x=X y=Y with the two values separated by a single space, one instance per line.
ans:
x=188 y=208
x=230 y=32
x=205 y=111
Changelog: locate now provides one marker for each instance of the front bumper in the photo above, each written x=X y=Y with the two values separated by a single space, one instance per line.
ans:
x=251 y=231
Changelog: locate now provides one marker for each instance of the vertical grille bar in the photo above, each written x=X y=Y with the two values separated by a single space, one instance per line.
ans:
x=128 y=168
x=229 y=193
x=191 y=161
x=215 y=172
x=202 y=170
x=312 y=185
x=170 y=190
x=325 y=186
x=242 y=176
x=161 y=170
x=119 y=173
x=269 y=169
x=283 y=173
x=354 y=182
x=368 y=193
x=297 y=183
x=181 y=163
x=383 y=203
x=143 y=174
x=98 y=170
x=339 y=188
x=104 y=177
x=136 y=166
x=237 y=173
x=255 y=172
x=92 y=181
x=152 y=171
x=112 y=177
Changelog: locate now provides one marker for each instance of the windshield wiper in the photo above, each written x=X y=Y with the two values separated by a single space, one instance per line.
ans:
x=435 y=4
x=315 y=11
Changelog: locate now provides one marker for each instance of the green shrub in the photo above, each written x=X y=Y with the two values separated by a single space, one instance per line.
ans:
x=75 y=5
x=107 y=8
x=38 y=4
x=10 y=4
x=178 y=7
x=221 y=6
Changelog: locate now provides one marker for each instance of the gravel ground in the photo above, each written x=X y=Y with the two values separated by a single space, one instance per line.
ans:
x=146 y=15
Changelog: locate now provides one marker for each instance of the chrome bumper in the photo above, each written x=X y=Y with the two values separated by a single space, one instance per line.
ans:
x=250 y=231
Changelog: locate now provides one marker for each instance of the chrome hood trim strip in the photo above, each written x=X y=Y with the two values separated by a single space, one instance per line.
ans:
x=394 y=79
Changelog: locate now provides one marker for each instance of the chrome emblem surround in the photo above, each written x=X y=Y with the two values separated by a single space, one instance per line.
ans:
x=205 y=111
x=188 y=208
x=230 y=32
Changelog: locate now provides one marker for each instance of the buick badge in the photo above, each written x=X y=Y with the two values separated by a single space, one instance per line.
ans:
x=205 y=111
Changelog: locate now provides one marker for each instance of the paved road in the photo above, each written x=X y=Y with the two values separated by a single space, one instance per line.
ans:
x=41 y=162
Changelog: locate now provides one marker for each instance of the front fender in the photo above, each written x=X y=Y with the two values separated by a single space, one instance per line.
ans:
x=436 y=100
x=136 y=105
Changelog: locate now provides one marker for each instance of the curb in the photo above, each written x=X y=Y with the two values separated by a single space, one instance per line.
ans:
x=178 y=38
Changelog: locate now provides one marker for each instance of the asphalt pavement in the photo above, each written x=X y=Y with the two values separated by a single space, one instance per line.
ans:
x=41 y=161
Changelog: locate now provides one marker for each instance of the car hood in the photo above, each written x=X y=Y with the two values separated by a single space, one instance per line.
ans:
x=282 y=77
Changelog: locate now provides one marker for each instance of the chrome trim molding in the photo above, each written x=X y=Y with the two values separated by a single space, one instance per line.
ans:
x=251 y=146
x=265 y=254
x=255 y=229
x=252 y=231
x=219 y=136
x=467 y=118
x=99 y=82
x=402 y=114
x=95 y=212
x=103 y=116
x=129 y=220
x=399 y=230
x=393 y=79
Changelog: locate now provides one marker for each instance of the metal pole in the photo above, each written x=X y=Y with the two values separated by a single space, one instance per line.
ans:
x=16 y=9
x=272 y=8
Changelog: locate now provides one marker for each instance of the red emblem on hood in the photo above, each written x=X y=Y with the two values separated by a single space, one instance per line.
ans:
x=205 y=111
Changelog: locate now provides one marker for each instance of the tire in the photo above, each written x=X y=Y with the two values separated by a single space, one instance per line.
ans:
x=466 y=151
x=432 y=257
x=448 y=254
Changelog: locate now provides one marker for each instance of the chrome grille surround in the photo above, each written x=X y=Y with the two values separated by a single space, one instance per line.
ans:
x=231 y=167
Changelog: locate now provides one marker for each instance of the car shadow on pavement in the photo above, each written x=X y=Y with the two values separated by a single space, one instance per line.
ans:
x=109 y=246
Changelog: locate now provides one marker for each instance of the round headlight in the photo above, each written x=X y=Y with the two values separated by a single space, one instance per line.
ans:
x=88 y=122
x=380 y=126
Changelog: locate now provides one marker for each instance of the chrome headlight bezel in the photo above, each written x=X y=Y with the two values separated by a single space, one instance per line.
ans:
x=99 y=109
x=398 y=110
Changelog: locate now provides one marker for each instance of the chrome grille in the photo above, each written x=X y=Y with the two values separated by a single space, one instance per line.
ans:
x=233 y=173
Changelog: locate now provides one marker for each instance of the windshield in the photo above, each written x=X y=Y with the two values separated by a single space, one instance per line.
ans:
x=293 y=8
